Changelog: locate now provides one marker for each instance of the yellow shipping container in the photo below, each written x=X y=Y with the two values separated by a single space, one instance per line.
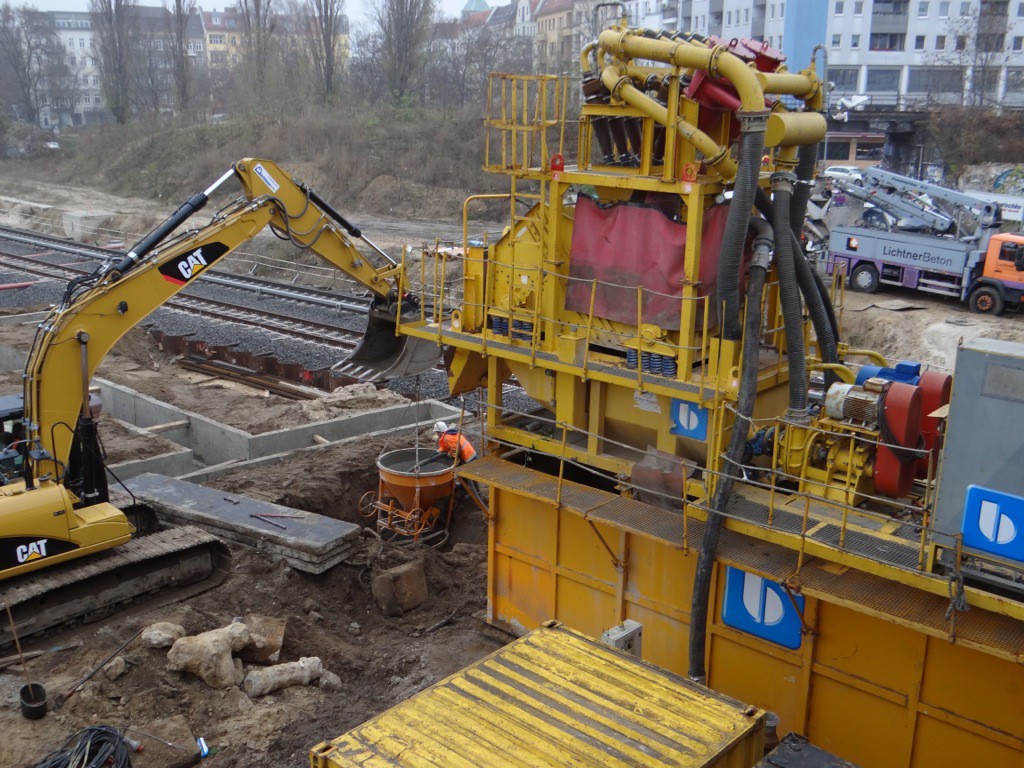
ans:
x=556 y=697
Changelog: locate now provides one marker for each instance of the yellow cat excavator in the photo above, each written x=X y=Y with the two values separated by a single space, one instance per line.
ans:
x=59 y=508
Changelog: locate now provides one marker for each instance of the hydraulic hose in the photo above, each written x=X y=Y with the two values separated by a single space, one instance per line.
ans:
x=789 y=296
x=734 y=453
x=807 y=155
x=731 y=253
x=806 y=166
x=819 y=305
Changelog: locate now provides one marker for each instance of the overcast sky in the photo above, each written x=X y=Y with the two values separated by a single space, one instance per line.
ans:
x=356 y=9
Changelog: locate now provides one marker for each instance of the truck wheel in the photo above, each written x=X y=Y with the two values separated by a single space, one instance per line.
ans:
x=985 y=300
x=864 y=278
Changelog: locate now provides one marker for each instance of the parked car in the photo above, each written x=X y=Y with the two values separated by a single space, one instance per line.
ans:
x=844 y=173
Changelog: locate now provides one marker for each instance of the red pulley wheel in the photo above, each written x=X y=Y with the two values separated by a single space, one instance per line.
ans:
x=902 y=412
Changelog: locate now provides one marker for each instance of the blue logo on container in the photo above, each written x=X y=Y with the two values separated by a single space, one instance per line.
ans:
x=994 y=522
x=689 y=420
x=762 y=608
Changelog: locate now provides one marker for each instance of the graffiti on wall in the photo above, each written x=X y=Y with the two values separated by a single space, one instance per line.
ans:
x=1010 y=182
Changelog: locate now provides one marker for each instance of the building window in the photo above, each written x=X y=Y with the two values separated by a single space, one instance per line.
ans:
x=71 y=61
x=1020 y=10
x=840 y=7
x=965 y=9
x=199 y=46
x=888 y=41
x=1018 y=43
x=944 y=10
x=922 y=10
x=940 y=42
x=771 y=11
x=746 y=15
x=935 y=79
x=883 y=80
x=782 y=15
x=728 y=18
x=991 y=43
x=1015 y=81
x=855 y=42
x=858 y=8
x=95 y=80
x=837 y=41
x=919 y=43
x=216 y=39
x=844 y=78
x=81 y=42
x=961 y=42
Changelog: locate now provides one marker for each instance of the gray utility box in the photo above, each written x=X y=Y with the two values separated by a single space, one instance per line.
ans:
x=981 y=483
x=627 y=636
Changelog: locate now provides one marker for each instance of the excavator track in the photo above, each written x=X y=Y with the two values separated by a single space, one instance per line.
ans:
x=165 y=566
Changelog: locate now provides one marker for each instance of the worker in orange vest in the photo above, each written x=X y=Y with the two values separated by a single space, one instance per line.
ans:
x=449 y=444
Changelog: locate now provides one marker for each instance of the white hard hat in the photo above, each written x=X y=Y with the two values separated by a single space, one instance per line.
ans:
x=440 y=427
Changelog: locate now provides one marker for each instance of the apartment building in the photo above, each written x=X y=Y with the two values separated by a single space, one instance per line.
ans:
x=84 y=104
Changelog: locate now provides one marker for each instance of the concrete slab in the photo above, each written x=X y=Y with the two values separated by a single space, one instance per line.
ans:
x=307 y=541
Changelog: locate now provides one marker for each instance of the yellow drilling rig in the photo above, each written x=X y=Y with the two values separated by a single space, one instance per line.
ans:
x=802 y=525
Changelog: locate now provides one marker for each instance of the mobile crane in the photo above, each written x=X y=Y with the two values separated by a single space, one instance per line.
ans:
x=908 y=239
x=59 y=507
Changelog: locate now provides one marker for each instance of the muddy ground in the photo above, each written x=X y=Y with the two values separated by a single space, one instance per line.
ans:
x=379 y=660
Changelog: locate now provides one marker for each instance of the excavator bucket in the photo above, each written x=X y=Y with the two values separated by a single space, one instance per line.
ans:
x=383 y=355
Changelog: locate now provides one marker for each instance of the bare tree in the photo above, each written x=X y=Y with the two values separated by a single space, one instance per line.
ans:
x=30 y=51
x=404 y=28
x=258 y=26
x=151 y=60
x=327 y=25
x=180 y=12
x=115 y=24
x=976 y=43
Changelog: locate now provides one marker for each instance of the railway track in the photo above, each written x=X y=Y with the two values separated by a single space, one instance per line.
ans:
x=45 y=257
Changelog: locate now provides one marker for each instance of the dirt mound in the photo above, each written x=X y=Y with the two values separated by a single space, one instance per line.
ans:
x=388 y=196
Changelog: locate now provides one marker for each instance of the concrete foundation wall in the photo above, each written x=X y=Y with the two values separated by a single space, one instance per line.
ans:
x=219 y=447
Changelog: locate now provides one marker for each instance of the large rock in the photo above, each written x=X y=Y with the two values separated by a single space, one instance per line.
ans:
x=162 y=634
x=267 y=635
x=260 y=682
x=400 y=589
x=208 y=655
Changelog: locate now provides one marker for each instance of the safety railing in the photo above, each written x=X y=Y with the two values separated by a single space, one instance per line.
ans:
x=524 y=121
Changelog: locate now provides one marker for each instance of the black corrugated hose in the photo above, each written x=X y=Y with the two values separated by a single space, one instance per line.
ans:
x=731 y=252
x=98 y=746
x=734 y=453
x=789 y=295
x=819 y=305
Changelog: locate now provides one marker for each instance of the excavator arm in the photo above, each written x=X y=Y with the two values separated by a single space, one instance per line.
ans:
x=99 y=309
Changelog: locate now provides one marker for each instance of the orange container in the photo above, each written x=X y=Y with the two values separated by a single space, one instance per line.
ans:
x=415 y=489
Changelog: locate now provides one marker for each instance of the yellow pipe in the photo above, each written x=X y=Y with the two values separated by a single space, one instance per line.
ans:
x=716 y=156
x=878 y=357
x=715 y=61
x=803 y=85
x=794 y=128
x=844 y=373
x=585 y=56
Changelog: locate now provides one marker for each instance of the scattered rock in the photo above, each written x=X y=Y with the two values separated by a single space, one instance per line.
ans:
x=309 y=605
x=354 y=628
x=400 y=589
x=162 y=634
x=260 y=682
x=208 y=655
x=115 y=668
x=267 y=638
x=330 y=681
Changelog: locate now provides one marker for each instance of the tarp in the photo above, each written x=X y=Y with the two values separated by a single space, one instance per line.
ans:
x=624 y=246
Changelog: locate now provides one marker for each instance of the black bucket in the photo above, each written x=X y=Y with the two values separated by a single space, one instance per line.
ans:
x=33 y=701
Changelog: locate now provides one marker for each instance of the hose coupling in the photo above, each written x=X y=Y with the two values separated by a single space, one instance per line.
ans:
x=754 y=121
